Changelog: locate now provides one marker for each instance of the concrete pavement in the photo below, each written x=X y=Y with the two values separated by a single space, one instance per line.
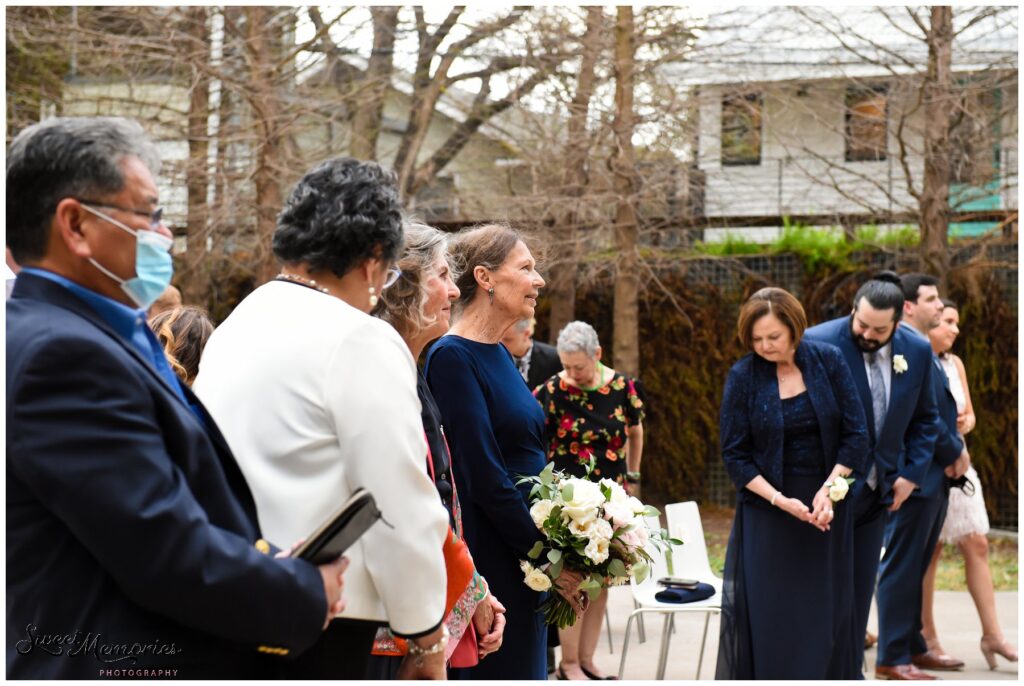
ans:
x=959 y=630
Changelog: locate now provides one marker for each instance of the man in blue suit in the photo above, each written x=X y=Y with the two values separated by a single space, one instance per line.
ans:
x=913 y=532
x=132 y=543
x=891 y=369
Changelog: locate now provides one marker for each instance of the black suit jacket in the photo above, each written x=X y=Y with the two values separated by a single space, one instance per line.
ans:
x=130 y=528
x=544 y=364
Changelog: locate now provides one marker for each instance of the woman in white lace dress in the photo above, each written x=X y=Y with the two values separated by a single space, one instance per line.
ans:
x=966 y=521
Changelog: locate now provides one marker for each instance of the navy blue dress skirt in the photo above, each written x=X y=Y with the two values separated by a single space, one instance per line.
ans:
x=787 y=600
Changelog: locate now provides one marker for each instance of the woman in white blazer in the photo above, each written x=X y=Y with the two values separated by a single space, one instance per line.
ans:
x=316 y=399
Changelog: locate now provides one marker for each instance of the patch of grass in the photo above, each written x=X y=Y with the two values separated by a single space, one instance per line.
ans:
x=1002 y=560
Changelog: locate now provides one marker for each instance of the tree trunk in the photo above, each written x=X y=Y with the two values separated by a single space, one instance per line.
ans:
x=938 y=99
x=562 y=289
x=370 y=112
x=195 y=285
x=263 y=37
x=627 y=278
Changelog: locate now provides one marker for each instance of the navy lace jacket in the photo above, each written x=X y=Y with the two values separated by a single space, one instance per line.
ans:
x=750 y=421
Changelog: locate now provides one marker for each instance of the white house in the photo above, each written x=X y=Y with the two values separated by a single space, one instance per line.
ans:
x=790 y=128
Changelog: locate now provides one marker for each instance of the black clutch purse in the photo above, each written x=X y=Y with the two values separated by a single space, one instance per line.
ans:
x=964 y=484
x=341 y=529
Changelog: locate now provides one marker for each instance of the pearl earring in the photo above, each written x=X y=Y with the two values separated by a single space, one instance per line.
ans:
x=373 y=298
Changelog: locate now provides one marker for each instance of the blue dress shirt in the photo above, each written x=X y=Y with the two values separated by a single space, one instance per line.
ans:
x=129 y=323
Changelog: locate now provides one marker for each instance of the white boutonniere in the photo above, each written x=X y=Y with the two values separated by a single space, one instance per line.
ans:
x=838 y=489
x=899 y=364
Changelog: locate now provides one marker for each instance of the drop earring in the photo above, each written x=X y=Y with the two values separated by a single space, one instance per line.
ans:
x=373 y=298
x=490 y=295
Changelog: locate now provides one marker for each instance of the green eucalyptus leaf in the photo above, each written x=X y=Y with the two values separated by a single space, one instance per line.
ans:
x=554 y=555
x=567 y=492
x=555 y=570
x=545 y=475
x=535 y=550
x=616 y=568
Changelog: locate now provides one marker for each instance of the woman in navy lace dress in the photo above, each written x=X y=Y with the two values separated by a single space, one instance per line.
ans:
x=791 y=424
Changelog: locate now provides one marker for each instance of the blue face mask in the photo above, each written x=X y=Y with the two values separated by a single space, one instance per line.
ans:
x=154 y=266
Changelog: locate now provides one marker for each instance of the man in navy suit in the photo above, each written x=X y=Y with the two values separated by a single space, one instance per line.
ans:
x=891 y=369
x=132 y=540
x=913 y=532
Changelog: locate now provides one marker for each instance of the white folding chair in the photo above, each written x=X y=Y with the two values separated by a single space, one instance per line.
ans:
x=689 y=560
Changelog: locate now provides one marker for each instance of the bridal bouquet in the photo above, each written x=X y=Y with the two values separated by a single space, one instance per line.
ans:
x=593 y=528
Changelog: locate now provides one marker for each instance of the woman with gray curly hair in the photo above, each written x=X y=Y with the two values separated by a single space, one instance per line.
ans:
x=419 y=305
x=593 y=427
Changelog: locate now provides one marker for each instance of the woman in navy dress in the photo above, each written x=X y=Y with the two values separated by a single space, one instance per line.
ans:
x=494 y=429
x=791 y=423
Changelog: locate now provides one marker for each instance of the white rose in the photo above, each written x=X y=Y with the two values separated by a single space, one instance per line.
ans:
x=597 y=550
x=899 y=364
x=525 y=566
x=584 y=529
x=537 y=580
x=600 y=530
x=585 y=501
x=838 y=490
x=635 y=504
x=540 y=511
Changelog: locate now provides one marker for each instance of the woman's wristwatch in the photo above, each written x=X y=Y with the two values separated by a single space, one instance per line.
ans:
x=632 y=477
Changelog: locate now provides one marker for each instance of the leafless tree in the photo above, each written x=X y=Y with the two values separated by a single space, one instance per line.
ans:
x=623 y=165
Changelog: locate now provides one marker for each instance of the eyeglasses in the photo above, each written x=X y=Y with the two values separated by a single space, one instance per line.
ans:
x=393 y=275
x=154 y=217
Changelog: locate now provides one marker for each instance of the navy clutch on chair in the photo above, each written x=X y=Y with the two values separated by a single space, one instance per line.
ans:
x=682 y=595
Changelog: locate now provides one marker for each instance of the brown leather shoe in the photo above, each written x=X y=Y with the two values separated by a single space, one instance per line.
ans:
x=937 y=661
x=902 y=673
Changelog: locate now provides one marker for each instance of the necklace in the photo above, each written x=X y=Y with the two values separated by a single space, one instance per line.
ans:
x=302 y=281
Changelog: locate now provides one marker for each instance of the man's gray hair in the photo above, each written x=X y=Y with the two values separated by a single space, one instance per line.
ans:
x=578 y=337
x=66 y=157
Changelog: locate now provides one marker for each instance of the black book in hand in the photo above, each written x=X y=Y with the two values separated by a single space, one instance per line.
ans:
x=341 y=530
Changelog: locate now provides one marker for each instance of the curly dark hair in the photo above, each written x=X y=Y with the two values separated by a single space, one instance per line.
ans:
x=340 y=213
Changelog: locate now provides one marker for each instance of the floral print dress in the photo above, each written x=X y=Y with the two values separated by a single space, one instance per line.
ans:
x=579 y=424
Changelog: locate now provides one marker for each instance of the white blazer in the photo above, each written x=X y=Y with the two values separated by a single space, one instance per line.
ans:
x=317 y=399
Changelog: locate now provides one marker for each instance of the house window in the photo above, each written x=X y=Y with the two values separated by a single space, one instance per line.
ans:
x=741 y=129
x=866 y=126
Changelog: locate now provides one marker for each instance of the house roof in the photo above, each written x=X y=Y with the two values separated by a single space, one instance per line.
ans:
x=769 y=44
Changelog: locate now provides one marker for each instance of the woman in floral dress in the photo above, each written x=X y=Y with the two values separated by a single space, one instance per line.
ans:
x=592 y=414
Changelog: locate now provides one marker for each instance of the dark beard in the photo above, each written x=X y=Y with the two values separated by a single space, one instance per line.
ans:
x=866 y=346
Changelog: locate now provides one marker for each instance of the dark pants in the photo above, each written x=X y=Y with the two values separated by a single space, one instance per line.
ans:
x=910 y=540
x=869 y=519
x=341 y=653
